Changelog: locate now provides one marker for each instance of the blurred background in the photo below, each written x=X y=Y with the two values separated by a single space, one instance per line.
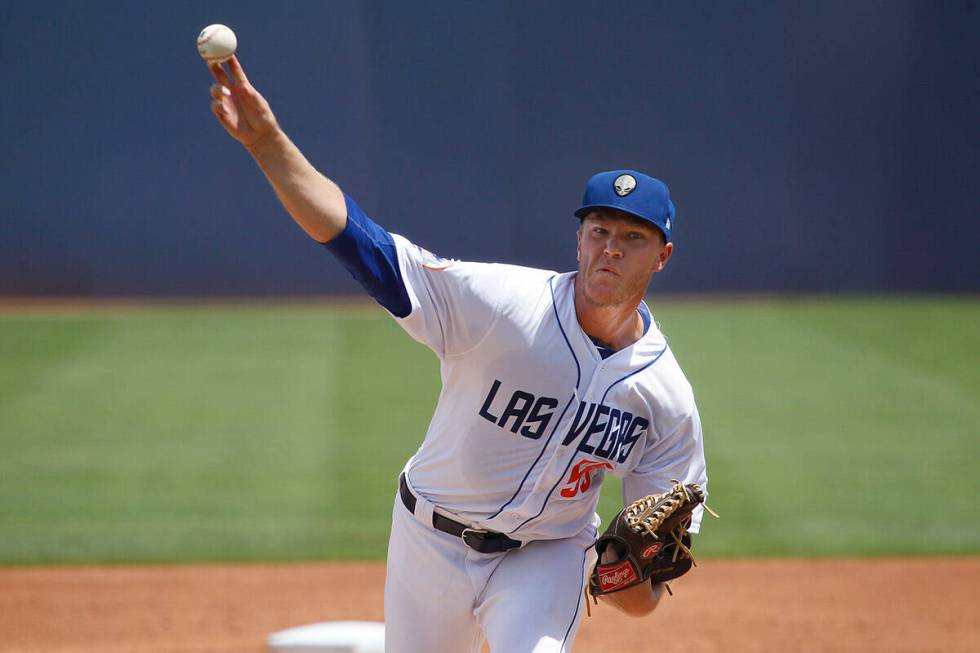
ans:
x=822 y=298
x=825 y=146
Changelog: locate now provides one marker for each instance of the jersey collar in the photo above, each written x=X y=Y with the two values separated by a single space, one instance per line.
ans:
x=652 y=343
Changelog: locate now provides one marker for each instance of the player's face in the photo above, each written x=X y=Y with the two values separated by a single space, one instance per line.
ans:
x=617 y=255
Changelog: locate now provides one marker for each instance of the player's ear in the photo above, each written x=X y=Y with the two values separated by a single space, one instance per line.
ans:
x=663 y=257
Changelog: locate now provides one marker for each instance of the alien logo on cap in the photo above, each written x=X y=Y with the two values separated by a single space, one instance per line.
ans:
x=624 y=185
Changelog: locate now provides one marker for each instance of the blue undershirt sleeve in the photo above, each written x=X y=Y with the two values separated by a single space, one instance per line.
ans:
x=645 y=315
x=369 y=254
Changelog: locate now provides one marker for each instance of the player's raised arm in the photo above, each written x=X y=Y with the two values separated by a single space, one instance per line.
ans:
x=315 y=203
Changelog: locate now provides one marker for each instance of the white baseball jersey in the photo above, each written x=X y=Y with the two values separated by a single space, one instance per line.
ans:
x=530 y=417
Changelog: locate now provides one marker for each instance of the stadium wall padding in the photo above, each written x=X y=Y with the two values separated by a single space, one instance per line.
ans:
x=828 y=146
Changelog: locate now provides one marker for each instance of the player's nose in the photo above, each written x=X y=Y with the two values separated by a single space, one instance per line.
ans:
x=612 y=248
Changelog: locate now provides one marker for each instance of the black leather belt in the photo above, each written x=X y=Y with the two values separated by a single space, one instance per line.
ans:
x=475 y=538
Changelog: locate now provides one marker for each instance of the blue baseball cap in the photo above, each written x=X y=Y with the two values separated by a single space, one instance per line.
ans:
x=633 y=192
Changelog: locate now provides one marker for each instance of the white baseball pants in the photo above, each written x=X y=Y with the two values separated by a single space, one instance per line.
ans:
x=443 y=597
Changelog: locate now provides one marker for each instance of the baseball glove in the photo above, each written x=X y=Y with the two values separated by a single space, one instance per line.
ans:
x=649 y=539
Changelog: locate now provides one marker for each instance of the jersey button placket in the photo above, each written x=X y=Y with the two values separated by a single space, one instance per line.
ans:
x=588 y=396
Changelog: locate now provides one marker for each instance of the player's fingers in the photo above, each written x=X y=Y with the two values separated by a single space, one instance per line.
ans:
x=237 y=72
x=221 y=113
x=219 y=74
x=218 y=91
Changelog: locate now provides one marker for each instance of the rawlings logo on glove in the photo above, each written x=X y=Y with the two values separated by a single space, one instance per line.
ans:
x=617 y=577
x=649 y=539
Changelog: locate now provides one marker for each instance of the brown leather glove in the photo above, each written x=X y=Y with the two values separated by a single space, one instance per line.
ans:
x=649 y=539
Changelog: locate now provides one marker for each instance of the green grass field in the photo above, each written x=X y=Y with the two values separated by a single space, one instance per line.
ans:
x=833 y=427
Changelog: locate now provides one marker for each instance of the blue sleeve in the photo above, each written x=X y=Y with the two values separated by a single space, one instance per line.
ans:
x=369 y=254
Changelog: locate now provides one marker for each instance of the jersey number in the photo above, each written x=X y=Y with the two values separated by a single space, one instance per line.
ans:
x=580 y=480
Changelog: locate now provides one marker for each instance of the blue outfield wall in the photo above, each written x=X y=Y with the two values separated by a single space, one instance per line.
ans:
x=816 y=146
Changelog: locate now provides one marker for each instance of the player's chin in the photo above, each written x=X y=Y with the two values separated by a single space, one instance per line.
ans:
x=601 y=292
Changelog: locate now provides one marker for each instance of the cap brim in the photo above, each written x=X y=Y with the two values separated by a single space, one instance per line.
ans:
x=585 y=210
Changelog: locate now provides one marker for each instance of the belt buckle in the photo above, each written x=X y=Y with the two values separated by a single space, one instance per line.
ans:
x=473 y=536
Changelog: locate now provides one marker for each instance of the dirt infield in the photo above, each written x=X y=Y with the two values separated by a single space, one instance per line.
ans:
x=891 y=605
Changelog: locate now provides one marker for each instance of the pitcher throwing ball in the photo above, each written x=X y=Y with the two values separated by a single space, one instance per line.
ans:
x=550 y=381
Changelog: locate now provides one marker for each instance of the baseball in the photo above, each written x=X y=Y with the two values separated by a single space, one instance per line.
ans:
x=216 y=43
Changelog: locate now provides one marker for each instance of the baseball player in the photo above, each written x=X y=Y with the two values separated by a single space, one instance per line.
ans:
x=549 y=382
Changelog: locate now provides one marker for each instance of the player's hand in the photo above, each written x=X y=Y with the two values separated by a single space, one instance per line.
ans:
x=240 y=109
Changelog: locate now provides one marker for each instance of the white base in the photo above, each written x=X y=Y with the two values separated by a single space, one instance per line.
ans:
x=331 y=637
